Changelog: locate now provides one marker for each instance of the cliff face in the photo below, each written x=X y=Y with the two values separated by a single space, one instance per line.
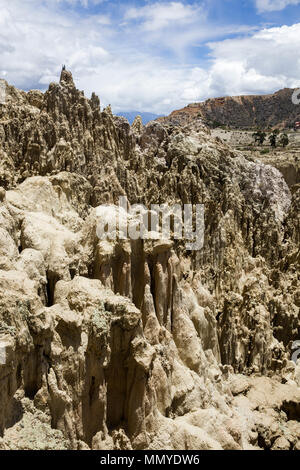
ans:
x=141 y=343
x=275 y=110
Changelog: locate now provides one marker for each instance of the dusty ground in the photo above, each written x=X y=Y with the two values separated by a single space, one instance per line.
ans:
x=286 y=160
x=240 y=138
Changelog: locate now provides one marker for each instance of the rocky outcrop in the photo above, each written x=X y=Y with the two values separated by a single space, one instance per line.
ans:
x=288 y=163
x=141 y=343
x=250 y=111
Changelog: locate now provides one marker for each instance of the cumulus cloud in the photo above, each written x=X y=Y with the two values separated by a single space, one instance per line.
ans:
x=274 y=5
x=36 y=39
x=158 y=15
x=129 y=70
x=170 y=25
x=262 y=62
x=84 y=3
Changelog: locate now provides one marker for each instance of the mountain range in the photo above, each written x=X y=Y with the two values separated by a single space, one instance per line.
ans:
x=146 y=116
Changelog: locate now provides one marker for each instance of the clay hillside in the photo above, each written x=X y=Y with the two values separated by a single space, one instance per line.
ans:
x=274 y=110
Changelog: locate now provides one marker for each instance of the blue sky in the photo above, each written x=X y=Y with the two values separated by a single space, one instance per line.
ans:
x=152 y=55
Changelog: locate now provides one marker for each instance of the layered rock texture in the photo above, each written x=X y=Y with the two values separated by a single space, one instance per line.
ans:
x=275 y=110
x=141 y=344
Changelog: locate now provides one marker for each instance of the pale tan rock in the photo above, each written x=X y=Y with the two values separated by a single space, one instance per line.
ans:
x=137 y=125
x=281 y=444
x=141 y=344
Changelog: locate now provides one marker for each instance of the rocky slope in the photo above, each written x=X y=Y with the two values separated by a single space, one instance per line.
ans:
x=141 y=344
x=286 y=160
x=275 y=110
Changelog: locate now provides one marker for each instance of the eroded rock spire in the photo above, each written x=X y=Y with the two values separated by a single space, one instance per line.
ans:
x=66 y=77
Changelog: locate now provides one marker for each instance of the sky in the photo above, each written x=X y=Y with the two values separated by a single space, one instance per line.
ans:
x=152 y=55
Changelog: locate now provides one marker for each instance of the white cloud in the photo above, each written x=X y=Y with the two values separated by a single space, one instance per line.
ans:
x=131 y=71
x=158 y=15
x=84 y=3
x=123 y=70
x=174 y=26
x=266 y=61
x=274 y=5
x=35 y=40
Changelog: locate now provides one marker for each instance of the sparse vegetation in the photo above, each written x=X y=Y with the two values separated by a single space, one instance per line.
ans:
x=284 y=140
x=273 y=138
x=259 y=137
x=216 y=124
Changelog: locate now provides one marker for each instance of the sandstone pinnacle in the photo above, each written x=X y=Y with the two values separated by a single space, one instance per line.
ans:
x=124 y=343
x=66 y=77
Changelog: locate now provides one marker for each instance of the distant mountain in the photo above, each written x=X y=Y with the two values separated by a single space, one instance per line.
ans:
x=146 y=117
x=274 y=110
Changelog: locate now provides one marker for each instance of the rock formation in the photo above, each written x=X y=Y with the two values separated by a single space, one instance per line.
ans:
x=141 y=344
x=250 y=111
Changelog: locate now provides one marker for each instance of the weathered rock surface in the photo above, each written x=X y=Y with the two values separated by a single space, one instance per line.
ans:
x=274 y=110
x=141 y=344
